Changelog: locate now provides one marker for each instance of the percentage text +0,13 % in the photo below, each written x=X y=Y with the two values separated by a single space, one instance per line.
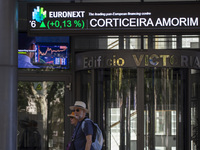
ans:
x=66 y=24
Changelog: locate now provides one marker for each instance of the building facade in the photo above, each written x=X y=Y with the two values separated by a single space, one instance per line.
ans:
x=134 y=63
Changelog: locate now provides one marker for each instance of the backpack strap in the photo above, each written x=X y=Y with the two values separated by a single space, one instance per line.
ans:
x=83 y=123
x=94 y=128
x=80 y=124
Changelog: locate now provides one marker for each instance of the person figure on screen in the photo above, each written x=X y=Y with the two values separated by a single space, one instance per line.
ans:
x=26 y=47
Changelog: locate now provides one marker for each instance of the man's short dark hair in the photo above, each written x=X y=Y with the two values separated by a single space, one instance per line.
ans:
x=25 y=41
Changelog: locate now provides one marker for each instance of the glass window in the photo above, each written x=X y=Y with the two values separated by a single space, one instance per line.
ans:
x=41 y=115
x=173 y=122
x=126 y=42
x=160 y=148
x=160 y=123
x=116 y=92
x=159 y=105
x=160 y=42
x=113 y=43
x=195 y=111
x=190 y=41
x=84 y=88
x=120 y=100
x=164 y=42
x=130 y=42
x=136 y=42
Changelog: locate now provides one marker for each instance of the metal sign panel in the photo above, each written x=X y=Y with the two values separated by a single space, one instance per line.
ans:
x=140 y=58
x=113 y=18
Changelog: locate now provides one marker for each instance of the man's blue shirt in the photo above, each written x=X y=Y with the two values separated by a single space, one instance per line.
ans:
x=25 y=62
x=80 y=139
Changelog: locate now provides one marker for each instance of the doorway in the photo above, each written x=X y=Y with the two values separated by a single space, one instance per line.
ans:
x=41 y=113
x=165 y=109
x=143 y=108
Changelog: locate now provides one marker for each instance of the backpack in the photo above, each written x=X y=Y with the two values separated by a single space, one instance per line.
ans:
x=97 y=137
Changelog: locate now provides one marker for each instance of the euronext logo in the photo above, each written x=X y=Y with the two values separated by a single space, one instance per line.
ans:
x=39 y=14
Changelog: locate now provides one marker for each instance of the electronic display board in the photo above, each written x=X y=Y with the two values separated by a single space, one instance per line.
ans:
x=45 y=55
x=43 y=52
x=113 y=18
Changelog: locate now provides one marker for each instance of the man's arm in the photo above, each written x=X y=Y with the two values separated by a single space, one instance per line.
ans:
x=88 y=142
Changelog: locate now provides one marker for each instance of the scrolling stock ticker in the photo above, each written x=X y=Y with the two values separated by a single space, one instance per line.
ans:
x=112 y=18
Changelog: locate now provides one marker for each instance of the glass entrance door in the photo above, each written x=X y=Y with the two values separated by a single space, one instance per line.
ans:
x=195 y=109
x=41 y=115
x=157 y=111
x=164 y=109
x=121 y=109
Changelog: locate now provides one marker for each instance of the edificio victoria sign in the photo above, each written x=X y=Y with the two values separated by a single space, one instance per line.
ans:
x=134 y=59
x=113 y=18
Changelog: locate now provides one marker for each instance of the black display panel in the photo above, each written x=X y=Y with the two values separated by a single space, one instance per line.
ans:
x=113 y=18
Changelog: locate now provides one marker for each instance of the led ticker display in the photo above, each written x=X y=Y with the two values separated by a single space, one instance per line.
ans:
x=113 y=18
x=54 y=22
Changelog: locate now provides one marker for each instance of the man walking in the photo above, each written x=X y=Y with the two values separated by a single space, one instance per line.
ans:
x=82 y=137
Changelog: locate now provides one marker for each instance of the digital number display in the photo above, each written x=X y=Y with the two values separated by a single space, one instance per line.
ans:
x=112 y=18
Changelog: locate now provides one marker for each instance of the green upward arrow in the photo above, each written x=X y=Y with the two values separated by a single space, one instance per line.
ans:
x=42 y=25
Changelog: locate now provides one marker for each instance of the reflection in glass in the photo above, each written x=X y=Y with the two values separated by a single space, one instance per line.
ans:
x=195 y=112
x=164 y=42
x=42 y=102
x=126 y=42
x=160 y=109
x=190 y=41
x=119 y=98
x=136 y=42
